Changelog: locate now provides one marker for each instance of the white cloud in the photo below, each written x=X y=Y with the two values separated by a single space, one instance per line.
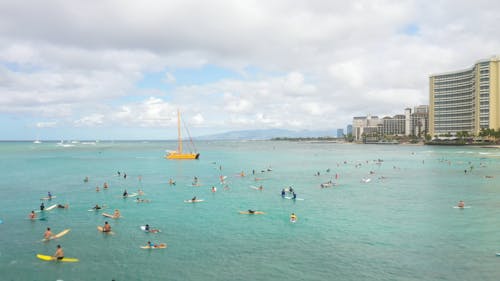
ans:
x=169 y=78
x=49 y=124
x=314 y=64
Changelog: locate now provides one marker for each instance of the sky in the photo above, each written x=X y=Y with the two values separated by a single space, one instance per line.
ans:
x=85 y=70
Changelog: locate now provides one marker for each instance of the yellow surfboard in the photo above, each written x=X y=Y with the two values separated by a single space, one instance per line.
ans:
x=51 y=258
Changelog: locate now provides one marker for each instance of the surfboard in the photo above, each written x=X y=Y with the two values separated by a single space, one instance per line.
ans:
x=464 y=207
x=51 y=207
x=151 y=230
x=37 y=219
x=58 y=235
x=159 y=246
x=48 y=198
x=50 y=258
x=254 y=213
x=110 y=216
x=291 y=198
x=498 y=254
x=195 y=201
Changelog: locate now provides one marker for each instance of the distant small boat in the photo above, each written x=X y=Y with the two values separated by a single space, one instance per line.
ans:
x=178 y=154
x=37 y=141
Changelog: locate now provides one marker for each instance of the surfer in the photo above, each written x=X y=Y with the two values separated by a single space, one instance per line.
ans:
x=152 y=245
x=214 y=189
x=294 y=196
x=49 y=195
x=97 y=188
x=106 y=227
x=293 y=217
x=32 y=215
x=97 y=207
x=261 y=188
x=65 y=206
x=251 y=211
x=105 y=185
x=47 y=234
x=125 y=193
x=59 y=254
x=283 y=193
x=86 y=179
x=461 y=204
x=116 y=214
x=171 y=181
x=193 y=199
x=42 y=207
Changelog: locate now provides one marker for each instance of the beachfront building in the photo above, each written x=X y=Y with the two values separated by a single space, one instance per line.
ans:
x=419 y=121
x=412 y=123
x=340 y=133
x=394 y=125
x=465 y=100
x=363 y=126
x=349 y=129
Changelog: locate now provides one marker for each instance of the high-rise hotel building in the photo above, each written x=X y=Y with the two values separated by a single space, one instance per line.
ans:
x=465 y=100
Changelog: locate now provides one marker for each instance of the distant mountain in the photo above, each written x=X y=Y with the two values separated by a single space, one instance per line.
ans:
x=267 y=134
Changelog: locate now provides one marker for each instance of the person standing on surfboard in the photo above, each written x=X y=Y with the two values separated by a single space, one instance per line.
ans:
x=59 y=254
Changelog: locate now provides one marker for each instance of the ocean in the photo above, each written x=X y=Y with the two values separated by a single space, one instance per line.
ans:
x=390 y=215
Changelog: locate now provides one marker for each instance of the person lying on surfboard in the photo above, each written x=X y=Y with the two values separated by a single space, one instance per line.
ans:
x=154 y=245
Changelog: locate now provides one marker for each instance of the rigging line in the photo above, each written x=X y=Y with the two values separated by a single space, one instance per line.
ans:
x=189 y=135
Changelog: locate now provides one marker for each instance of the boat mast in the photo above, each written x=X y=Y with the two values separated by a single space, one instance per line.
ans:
x=179 y=141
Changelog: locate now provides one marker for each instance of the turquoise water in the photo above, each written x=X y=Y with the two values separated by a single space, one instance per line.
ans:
x=399 y=226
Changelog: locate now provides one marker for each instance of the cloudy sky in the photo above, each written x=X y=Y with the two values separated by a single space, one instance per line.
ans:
x=120 y=69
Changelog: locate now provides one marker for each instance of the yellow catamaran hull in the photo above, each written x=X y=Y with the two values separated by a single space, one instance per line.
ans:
x=175 y=155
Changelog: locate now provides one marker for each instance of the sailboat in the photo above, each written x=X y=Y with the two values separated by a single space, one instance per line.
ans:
x=178 y=154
